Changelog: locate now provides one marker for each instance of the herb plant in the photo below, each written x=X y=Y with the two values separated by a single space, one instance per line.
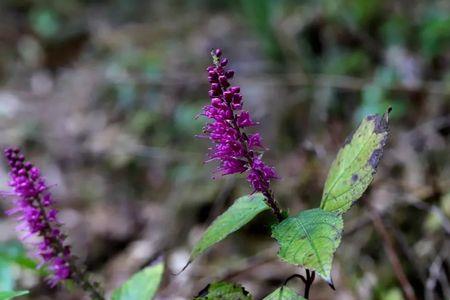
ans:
x=307 y=239
x=33 y=206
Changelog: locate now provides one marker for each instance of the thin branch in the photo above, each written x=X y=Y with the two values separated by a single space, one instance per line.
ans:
x=392 y=254
x=342 y=82
x=310 y=276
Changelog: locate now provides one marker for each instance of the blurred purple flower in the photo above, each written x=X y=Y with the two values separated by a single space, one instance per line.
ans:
x=236 y=151
x=37 y=217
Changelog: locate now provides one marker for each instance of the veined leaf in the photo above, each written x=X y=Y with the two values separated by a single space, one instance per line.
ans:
x=142 y=285
x=223 y=290
x=284 y=293
x=6 y=295
x=355 y=165
x=240 y=213
x=310 y=240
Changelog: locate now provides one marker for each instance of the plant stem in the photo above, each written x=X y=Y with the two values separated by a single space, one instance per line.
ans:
x=270 y=199
x=393 y=257
x=249 y=154
x=308 y=281
x=273 y=205
x=78 y=276
x=310 y=275
x=81 y=279
x=266 y=191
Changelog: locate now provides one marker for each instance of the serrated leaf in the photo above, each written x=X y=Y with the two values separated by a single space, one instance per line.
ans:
x=142 y=285
x=310 y=240
x=284 y=293
x=237 y=215
x=355 y=165
x=223 y=290
x=6 y=295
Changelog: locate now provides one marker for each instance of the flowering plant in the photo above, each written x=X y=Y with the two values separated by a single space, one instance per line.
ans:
x=308 y=239
x=38 y=224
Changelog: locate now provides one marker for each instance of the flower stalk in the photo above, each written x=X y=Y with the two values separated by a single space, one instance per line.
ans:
x=236 y=151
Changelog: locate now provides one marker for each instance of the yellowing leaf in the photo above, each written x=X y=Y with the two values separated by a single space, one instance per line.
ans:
x=355 y=165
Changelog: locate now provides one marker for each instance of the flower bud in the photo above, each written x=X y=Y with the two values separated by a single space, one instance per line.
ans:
x=228 y=95
x=229 y=74
x=235 y=89
x=223 y=81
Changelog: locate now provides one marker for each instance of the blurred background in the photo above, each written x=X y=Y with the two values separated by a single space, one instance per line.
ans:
x=103 y=96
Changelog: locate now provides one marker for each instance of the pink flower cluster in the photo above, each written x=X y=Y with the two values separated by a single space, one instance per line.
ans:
x=236 y=151
x=36 y=217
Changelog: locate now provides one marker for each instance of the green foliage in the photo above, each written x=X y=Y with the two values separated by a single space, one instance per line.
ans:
x=435 y=35
x=376 y=96
x=13 y=254
x=396 y=30
x=361 y=11
x=142 y=285
x=347 y=62
x=45 y=22
x=223 y=290
x=240 y=213
x=6 y=295
x=284 y=293
x=355 y=165
x=310 y=240
x=6 y=276
x=259 y=15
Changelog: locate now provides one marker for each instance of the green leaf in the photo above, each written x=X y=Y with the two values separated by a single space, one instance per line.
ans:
x=6 y=275
x=284 y=293
x=6 y=295
x=223 y=290
x=310 y=240
x=240 y=213
x=355 y=165
x=142 y=285
x=14 y=252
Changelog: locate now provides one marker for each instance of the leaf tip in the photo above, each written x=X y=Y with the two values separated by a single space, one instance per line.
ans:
x=184 y=268
x=388 y=110
x=331 y=283
x=157 y=260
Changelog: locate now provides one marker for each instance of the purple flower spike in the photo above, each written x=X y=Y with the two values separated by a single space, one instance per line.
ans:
x=36 y=218
x=236 y=151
